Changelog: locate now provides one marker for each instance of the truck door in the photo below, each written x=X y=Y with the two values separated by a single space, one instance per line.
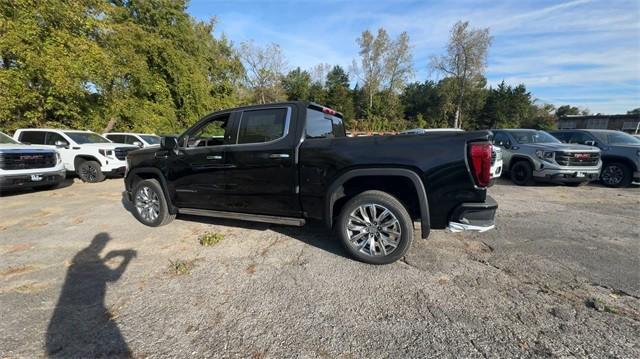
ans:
x=261 y=174
x=197 y=167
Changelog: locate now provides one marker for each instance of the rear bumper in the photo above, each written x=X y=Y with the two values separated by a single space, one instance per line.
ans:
x=477 y=217
x=31 y=180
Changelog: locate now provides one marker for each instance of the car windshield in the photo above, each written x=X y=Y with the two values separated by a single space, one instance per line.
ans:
x=86 y=137
x=619 y=138
x=151 y=139
x=525 y=137
x=4 y=139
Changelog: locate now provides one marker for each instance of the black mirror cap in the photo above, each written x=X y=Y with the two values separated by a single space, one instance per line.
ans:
x=169 y=143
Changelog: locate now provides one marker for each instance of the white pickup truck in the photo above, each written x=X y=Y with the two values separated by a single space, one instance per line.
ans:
x=86 y=153
x=23 y=166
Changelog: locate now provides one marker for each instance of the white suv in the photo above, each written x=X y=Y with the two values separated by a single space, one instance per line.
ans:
x=88 y=154
x=23 y=166
x=142 y=140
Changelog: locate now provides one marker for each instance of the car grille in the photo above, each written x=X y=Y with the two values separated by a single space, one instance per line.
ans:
x=121 y=152
x=27 y=160
x=577 y=158
x=493 y=157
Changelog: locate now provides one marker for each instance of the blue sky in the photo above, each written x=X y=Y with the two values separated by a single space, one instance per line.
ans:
x=581 y=52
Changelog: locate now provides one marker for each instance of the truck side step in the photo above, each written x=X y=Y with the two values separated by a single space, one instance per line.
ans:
x=288 y=221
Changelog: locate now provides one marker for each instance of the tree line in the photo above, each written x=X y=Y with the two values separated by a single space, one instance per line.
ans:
x=148 y=66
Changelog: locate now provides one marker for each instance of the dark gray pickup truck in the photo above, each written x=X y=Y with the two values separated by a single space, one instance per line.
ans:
x=620 y=153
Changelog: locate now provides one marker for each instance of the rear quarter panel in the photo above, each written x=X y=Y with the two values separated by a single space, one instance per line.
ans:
x=439 y=159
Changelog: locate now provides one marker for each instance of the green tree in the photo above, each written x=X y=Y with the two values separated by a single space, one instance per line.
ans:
x=541 y=117
x=297 y=84
x=49 y=62
x=339 y=93
x=505 y=107
x=566 y=110
x=635 y=111
x=465 y=62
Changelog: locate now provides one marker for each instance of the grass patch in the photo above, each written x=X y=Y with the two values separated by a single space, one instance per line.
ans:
x=180 y=267
x=210 y=239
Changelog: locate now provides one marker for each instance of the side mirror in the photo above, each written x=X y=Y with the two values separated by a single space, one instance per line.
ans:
x=137 y=143
x=506 y=144
x=169 y=143
x=61 y=144
x=590 y=143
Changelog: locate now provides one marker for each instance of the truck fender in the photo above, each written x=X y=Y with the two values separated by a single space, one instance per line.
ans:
x=157 y=174
x=517 y=158
x=335 y=191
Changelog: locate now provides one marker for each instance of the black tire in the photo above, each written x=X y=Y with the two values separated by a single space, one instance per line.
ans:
x=398 y=215
x=89 y=171
x=153 y=188
x=615 y=174
x=521 y=173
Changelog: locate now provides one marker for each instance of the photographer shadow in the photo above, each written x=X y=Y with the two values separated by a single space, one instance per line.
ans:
x=81 y=325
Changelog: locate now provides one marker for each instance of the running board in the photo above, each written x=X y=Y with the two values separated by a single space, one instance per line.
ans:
x=298 y=222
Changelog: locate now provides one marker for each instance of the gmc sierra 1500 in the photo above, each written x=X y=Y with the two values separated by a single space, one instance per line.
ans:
x=290 y=162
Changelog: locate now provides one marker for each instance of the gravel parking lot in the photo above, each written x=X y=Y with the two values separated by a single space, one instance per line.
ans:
x=79 y=276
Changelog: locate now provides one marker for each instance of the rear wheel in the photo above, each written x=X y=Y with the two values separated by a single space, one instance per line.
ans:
x=149 y=204
x=375 y=228
x=89 y=171
x=522 y=173
x=616 y=174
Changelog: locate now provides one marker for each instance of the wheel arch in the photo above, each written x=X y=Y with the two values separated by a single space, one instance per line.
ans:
x=517 y=158
x=336 y=192
x=613 y=158
x=79 y=159
x=139 y=174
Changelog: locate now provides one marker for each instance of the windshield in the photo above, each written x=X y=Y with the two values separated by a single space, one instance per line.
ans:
x=86 y=137
x=150 y=139
x=4 y=139
x=525 y=137
x=618 y=138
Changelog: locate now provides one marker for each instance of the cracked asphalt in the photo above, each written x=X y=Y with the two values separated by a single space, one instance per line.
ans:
x=80 y=277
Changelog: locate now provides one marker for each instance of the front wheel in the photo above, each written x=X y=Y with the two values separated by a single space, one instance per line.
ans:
x=90 y=171
x=522 y=173
x=149 y=204
x=616 y=175
x=375 y=228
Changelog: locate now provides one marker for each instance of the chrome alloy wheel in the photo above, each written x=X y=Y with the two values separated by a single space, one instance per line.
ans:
x=373 y=230
x=89 y=173
x=147 y=204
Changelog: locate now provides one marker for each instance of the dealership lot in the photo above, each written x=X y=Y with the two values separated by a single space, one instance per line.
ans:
x=80 y=276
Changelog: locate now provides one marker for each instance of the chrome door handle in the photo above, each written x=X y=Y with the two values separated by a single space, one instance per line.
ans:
x=279 y=155
x=216 y=157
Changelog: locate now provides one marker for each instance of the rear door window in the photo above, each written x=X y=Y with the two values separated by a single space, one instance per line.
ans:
x=33 y=137
x=116 y=138
x=321 y=125
x=53 y=137
x=262 y=126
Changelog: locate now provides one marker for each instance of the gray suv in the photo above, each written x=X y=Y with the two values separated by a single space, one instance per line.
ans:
x=531 y=155
x=620 y=153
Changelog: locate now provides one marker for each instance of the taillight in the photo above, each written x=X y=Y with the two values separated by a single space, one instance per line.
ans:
x=480 y=161
x=328 y=111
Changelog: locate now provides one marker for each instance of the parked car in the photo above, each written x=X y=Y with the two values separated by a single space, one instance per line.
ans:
x=86 y=153
x=23 y=166
x=620 y=153
x=496 y=152
x=531 y=155
x=291 y=162
x=142 y=140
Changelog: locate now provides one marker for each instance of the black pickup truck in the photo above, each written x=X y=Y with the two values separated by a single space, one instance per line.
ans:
x=290 y=162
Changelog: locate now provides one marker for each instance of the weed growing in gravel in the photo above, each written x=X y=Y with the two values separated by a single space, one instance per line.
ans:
x=180 y=266
x=210 y=239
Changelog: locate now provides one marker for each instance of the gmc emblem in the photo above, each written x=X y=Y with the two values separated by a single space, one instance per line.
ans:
x=581 y=156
